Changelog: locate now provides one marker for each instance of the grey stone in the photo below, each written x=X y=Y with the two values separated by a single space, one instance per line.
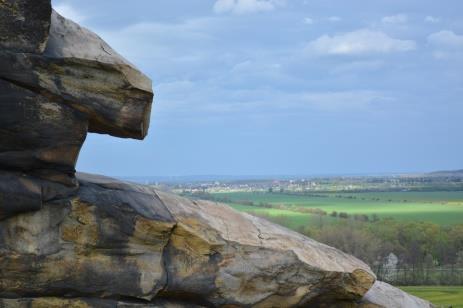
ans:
x=385 y=295
x=39 y=136
x=81 y=70
x=24 y=25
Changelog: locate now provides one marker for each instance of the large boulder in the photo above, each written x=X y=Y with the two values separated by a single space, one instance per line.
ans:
x=57 y=302
x=120 y=240
x=385 y=295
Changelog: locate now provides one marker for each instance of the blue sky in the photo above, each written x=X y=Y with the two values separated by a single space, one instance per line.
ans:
x=260 y=87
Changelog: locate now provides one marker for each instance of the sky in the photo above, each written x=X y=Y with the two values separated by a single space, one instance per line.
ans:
x=290 y=87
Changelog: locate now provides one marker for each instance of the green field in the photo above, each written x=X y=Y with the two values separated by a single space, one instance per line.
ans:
x=444 y=208
x=443 y=296
x=294 y=220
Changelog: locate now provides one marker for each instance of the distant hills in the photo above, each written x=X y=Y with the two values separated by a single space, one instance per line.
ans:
x=447 y=173
x=247 y=178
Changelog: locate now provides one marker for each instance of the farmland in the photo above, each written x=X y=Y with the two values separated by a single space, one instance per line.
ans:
x=438 y=295
x=444 y=208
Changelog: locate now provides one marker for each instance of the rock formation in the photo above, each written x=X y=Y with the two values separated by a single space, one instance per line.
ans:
x=58 y=81
x=92 y=241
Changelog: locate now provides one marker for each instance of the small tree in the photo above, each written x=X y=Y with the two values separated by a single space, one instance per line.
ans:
x=343 y=215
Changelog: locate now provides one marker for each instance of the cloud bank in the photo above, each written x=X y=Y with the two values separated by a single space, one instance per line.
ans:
x=446 y=39
x=246 y=6
x=395 y=19
x=363 y=41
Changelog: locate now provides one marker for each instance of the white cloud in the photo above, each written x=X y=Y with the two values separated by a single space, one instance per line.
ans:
x=363 y=41
x=69 y=12
x=344 y=100
x=222 y=101
x=446 y=39
x=395 y=19
x=432 y=19
x=334 y=19
x=447 y=44
x=308 y=21
x=174 y=48
x=356 y=66
x=246 y=6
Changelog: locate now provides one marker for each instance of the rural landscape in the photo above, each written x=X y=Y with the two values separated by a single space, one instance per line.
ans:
x=407 y=227
x=231 y=153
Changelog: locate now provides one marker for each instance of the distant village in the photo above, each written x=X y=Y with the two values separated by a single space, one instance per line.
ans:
x=427 y=182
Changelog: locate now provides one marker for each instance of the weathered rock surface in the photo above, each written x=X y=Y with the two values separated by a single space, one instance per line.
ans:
x=23 y=193
x=24 y=25
x=56 y=302
x=83 y=72
x=385 y=295
x=58 y=81
x=39 y=136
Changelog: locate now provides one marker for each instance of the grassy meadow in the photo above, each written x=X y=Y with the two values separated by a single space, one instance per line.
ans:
x=444 y=208
x=442 y=296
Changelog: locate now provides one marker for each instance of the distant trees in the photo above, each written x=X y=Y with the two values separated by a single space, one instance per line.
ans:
x=348 y=238
x=428 y=253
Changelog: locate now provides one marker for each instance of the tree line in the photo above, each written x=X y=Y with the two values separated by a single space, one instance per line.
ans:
x=428 y=253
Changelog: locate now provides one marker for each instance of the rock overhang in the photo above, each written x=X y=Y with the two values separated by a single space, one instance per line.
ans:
x=59 y=81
